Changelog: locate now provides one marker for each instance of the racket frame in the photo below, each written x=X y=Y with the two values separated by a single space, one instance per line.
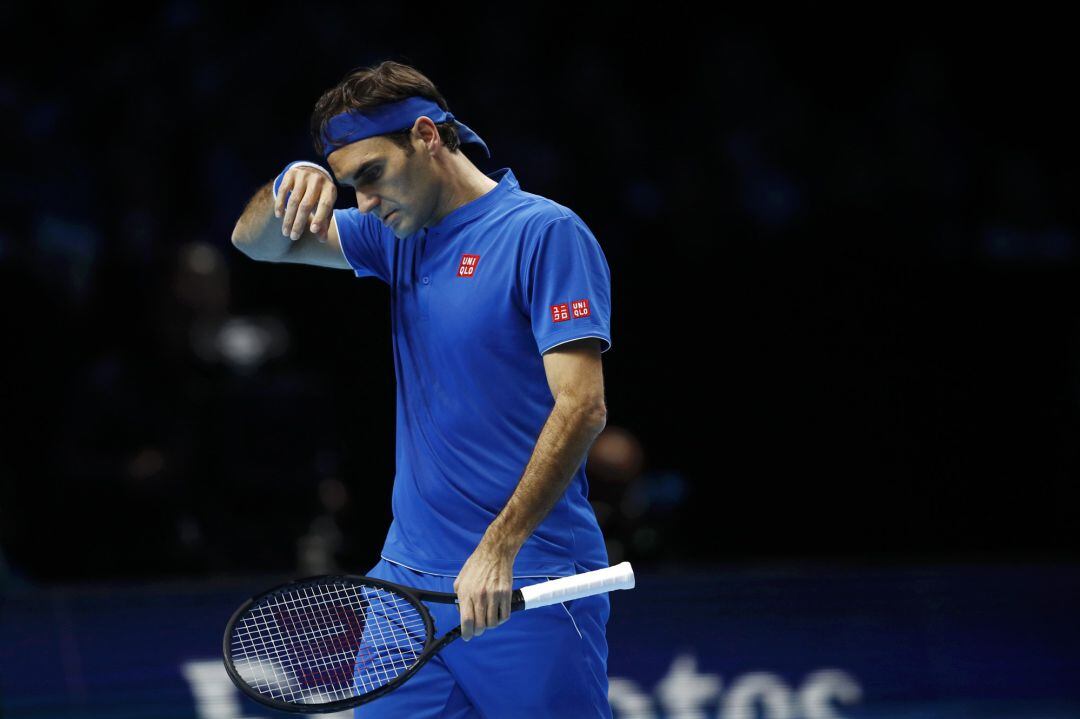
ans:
x=414 y=596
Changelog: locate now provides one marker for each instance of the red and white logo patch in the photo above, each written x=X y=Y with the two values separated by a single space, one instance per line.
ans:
x=560 y=313
x=570 y=310
x=467 y=268
x=579 y=308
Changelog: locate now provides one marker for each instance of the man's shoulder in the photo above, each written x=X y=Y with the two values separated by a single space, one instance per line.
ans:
x=536 y=212
x=353 y=217
x=364 y=223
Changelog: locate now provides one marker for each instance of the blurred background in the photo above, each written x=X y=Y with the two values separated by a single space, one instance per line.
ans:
x=843 y=391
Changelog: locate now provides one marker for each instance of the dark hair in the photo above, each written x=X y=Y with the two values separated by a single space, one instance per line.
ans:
x=364 y=88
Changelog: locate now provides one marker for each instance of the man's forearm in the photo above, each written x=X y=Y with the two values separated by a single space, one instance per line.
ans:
x=257 y=233
x=570 y=430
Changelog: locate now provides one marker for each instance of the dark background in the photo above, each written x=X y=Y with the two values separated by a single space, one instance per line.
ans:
x=843 y=252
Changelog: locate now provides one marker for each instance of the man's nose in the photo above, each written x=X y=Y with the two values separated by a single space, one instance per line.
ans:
x=366 y=203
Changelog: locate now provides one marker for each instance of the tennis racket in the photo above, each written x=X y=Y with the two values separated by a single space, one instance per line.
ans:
x=332 y=642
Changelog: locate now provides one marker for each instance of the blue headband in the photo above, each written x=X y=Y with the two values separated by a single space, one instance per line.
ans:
x=351 y=126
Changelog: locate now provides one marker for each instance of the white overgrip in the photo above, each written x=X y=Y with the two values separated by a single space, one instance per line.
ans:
x=563 y=589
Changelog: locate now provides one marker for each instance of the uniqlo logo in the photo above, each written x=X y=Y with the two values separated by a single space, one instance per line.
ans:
x=560 y=313
x=468 y=265
x=579 y=308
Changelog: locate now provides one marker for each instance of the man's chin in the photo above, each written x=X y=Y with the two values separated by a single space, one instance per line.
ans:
x=398 y=229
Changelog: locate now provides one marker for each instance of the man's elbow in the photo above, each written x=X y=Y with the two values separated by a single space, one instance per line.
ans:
x=239 y=242
x=594 y=414
x=588 y=408
x=599 y=422
x=249 y=248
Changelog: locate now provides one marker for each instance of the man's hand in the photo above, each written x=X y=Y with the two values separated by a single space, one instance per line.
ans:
x=306 y=198
x=484 y=587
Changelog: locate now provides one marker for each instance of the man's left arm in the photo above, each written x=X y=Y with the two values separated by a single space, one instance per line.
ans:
x=485 y=583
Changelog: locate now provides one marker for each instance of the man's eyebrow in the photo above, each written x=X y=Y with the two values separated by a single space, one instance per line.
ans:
x=361 y=170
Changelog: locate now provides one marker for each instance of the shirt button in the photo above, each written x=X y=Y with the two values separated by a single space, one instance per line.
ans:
x=426 y=280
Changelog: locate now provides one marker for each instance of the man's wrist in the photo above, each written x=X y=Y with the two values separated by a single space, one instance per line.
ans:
x=503 y=539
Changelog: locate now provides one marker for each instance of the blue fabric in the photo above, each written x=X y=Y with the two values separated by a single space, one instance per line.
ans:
x=545 y=662
x=475 y=301
x=350 y=126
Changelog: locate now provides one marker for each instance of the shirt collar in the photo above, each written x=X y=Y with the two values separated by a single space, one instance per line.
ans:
x=459 y=216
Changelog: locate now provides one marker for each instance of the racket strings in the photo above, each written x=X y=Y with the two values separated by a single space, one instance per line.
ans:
x=322 y=643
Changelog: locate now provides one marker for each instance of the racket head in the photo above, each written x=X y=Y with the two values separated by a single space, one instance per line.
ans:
x=327 y=643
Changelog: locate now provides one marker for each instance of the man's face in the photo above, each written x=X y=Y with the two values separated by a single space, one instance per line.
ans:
x=387 y=182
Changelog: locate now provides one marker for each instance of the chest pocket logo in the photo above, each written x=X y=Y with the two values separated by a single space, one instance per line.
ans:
x=467 y=268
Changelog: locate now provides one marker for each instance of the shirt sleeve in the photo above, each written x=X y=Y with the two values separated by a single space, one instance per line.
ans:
x=366 y=247
x=568 y=285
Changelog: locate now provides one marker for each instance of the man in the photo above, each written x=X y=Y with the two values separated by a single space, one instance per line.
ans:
x=500 y=303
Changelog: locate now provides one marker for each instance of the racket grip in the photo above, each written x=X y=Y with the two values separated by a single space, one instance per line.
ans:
x=564 y=589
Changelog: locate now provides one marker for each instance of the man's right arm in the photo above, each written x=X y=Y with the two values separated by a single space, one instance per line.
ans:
x=258 y=235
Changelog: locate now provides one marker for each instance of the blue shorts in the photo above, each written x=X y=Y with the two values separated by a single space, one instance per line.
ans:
x=544 y=662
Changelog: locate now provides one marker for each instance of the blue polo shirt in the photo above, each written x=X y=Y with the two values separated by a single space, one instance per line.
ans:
x=475 y=301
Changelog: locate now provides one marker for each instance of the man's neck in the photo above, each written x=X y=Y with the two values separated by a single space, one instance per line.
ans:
x=465 y=182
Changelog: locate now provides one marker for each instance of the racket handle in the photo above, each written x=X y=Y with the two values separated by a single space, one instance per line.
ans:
x=563 y=589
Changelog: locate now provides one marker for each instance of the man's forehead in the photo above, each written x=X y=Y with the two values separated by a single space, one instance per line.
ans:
x=355 y=154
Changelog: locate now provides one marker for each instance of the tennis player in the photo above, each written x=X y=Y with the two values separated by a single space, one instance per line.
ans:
x=500 y=303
